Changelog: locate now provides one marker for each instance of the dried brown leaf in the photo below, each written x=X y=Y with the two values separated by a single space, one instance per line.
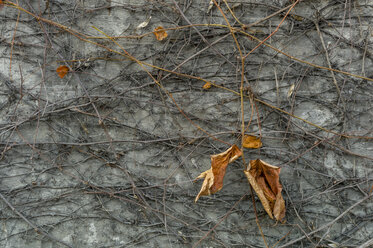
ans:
x=214 y=176
x=264 y=178
x=250 y=141
x=279 y=208
x=62 y=71
x=207 y=183
x=259 y=193
x=160 y=33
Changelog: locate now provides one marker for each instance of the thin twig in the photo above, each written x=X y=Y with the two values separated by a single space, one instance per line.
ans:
x=36 y=228
x=328 y=224
x=340 y=98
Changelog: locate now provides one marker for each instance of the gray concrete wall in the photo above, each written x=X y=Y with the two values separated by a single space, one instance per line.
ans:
x=104 y=157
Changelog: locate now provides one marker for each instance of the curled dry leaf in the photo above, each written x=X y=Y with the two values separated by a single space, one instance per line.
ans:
x=250 y=141
x=62 y=71
x=214 y=176
x=160 y=33
x=264 y=178
x=144 y=23
x=207 y=86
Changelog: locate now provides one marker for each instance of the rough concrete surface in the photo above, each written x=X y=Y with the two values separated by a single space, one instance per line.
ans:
x=106 y=156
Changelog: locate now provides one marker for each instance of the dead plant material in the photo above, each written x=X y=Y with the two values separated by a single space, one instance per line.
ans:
x=62 y=71
x=207 y=86
x=214 y=176
x=251 y=141
x=264 y=178
x=160 y=33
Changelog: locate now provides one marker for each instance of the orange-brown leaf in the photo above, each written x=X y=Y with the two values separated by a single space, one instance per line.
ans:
x=265 y=179
x=160 y=33
x=1 y=4
x=214 y=176
x=259 y=193
x=207 y=86
x=62 y=71
x=250 y=141
x=279 y=208
x=297 y=17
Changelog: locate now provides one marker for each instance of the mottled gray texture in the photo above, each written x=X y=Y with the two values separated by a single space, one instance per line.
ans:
x=129 y=182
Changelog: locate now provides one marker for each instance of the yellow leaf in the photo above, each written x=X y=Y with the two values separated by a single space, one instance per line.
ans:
x=250 y=141
x=264 y=178
x=207 y=86
x=160 y=33
x=214 y=176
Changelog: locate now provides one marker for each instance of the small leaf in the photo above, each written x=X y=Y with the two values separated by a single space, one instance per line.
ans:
x=264 y=178
x=207 y=86
x=291 y=90
x=250 y=141
x=235 y=5
x=214 y=176
x=160 y=33
x=297 y=17
x=332 y=245
x=62 y=71
x=144 y=23
x=211 y=4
